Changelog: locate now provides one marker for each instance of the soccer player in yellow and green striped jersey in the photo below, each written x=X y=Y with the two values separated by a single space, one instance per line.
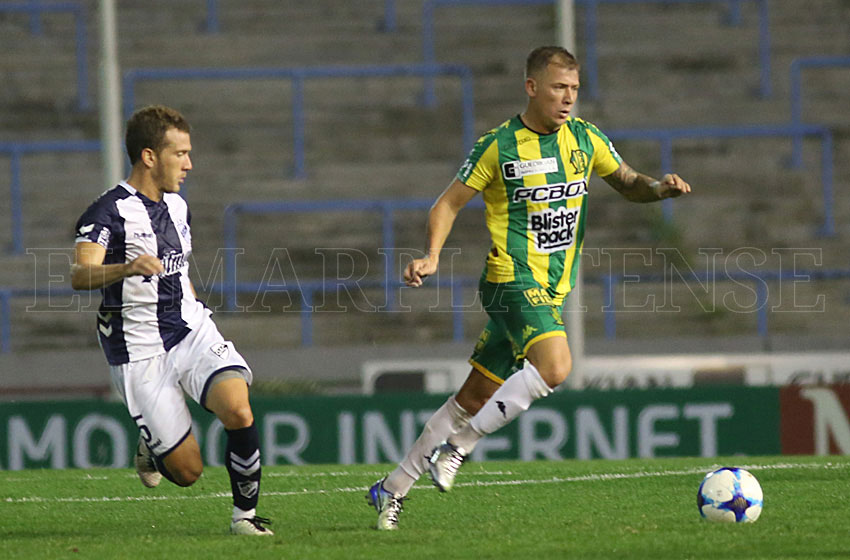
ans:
x=532 y=172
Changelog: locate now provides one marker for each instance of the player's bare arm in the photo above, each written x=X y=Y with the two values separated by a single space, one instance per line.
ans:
x=441 y=218
x=89 y=273
x=638 y=187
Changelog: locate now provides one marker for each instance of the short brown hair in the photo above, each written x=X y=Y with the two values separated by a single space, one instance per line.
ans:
x=147 y=128
x=541 y=57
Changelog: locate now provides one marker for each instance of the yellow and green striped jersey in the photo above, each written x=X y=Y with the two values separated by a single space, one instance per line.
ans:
x=535 y=193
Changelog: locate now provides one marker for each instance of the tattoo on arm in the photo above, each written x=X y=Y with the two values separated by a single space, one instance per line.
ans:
x=634 y=186
x=623 y=179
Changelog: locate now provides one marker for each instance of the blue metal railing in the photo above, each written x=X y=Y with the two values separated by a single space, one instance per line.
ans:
x=17 y=150
x=212 y=17
x=386 y=208
x=758 y=280
x=665 y=138
x=608 y=283
x=389 y=22
x=797 y=66
x=589 y=57
x=212 y=24
x=298 y=76
x=35 y=9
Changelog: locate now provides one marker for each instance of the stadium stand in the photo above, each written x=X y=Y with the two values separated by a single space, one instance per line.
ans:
x=372 y=138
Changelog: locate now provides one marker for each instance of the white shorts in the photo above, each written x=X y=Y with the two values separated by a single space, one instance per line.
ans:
x=152 y=389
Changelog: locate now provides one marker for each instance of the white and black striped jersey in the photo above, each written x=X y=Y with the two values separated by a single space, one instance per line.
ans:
x=143 y=316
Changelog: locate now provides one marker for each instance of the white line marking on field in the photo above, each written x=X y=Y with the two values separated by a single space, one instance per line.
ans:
x=374 y=473
x=477 y=483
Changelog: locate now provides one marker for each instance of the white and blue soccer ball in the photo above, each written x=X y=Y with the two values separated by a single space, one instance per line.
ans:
x=730 y=495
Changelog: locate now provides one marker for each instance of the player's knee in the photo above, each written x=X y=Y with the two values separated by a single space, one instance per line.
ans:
x=555 y=373
x=187 y=475
x=237 y=417
x=471 y=397
x=472 y=401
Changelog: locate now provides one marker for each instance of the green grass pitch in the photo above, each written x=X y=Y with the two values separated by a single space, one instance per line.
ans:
x=631 y=509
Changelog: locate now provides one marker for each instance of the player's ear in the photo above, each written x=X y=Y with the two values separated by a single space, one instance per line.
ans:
x=531 y=87
x=148 y=157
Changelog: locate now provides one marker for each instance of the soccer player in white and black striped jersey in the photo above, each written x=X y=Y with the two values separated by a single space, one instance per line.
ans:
x=133 y=244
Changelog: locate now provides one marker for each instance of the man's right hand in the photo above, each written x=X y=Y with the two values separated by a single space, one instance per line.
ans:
x=145 y=265
x=418 y=270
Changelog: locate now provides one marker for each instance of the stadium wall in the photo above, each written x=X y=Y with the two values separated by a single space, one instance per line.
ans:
x=621 y=364
x=705 y=422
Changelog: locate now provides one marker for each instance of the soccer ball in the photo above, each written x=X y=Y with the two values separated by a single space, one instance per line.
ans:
x=731 y=495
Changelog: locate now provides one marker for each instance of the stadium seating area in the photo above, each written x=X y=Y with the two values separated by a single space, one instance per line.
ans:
x=661 y=65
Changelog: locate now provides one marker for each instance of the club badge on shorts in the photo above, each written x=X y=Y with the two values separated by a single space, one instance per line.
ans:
x=221 y=350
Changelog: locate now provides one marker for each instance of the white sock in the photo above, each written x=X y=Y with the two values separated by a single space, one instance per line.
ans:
x=448 y=419
x=242 y=514
x=512 y=398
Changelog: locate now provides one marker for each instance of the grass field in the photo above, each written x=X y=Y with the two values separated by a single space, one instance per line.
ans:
x=632 y=509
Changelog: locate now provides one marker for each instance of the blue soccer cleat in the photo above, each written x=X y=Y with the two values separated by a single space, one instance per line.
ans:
x=387 y=505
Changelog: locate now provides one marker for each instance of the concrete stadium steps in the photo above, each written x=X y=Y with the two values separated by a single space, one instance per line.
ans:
x=39 y=69
x=359 y=324
x=44 y=323
x=26 y=271
x=697 y=309
x=243 y=143
x=338 y=245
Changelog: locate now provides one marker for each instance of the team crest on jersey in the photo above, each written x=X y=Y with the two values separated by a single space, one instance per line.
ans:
x=183 y=228
x=579 y=161
x=519 y=169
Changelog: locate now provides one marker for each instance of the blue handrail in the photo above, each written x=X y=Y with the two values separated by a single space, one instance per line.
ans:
x=212 y=16
x=589 y=57
x=797 y=66
x=5 y=321
x=16 y=150
x=35 y=9
x=666 y=136
x=758 y=279
x=386 y=208
x=298 y=76
x=388 y=23
x=608 y=282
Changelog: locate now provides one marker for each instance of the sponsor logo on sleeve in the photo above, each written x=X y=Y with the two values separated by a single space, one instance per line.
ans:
x=104 y=237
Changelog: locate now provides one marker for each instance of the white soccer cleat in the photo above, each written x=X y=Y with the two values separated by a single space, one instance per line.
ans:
x=443 y=465
x=251 y=526
x=387 y=505
x=145 y=466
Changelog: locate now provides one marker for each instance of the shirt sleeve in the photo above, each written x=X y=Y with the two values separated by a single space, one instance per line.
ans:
x=481 y=166
x=605 y=160
x=95 y=226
